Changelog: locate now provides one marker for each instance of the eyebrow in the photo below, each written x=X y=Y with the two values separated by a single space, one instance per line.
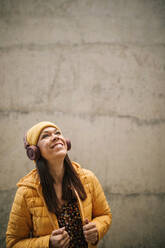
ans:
x=45 y=132
x=49 y=131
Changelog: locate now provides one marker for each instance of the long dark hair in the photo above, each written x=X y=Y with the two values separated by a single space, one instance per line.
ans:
x=70 y=182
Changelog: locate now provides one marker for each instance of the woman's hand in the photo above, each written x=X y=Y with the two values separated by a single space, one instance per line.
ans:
x=90 y=232
x=59 y=239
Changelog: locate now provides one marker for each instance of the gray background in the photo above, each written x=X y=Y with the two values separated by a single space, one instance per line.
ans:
x=96 y=69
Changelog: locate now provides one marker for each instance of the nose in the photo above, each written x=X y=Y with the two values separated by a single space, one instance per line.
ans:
x=54 y=136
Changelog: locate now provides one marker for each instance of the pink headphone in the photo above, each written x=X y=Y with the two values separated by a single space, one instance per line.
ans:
x=33 y=152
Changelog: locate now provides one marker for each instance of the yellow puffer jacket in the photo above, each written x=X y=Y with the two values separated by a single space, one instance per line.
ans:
x=31 y=224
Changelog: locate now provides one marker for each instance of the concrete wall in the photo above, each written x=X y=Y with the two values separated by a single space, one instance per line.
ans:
x=97 y=69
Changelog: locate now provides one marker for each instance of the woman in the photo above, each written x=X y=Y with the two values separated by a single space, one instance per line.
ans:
x=58 y=204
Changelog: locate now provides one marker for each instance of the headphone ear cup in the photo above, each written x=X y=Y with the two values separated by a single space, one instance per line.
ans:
x=68 y=142
x=33 y=152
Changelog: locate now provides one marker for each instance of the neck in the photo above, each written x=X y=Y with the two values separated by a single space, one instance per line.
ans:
x=56 y=169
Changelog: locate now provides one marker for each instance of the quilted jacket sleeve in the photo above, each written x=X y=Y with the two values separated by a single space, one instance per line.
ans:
x=20 y=225
x=101 y=211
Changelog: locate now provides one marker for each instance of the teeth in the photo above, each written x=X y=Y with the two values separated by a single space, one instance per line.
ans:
x=59 y=145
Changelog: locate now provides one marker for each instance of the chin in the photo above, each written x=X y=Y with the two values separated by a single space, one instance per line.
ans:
x=61 y=154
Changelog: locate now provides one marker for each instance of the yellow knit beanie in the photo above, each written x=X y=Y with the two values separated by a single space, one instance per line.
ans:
x=33 y=133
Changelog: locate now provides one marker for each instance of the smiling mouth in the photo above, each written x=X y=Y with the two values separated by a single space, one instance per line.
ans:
x=59 y=143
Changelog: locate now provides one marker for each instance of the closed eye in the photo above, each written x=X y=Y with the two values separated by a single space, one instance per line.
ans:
x=44 y=136
x=58 y=133
x=47 y=134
